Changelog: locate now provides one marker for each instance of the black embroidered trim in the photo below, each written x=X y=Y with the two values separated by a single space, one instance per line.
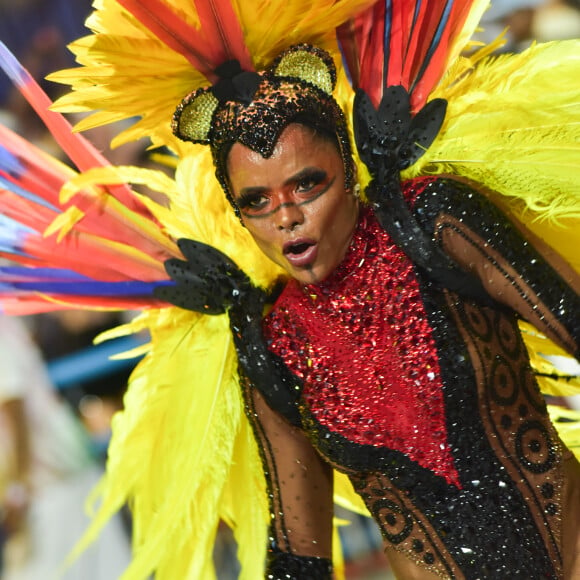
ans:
x=268 y=463
x=286 y=566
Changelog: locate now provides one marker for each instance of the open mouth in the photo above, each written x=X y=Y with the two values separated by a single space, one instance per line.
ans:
x=297 y=248
x=301 y=253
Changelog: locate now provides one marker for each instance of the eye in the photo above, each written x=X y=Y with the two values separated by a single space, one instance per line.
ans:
x=252 y=202
x=310 y=181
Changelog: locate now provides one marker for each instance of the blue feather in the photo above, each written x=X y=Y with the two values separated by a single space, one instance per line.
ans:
x=12 y=235
x=22 y=273
x=91 y=288
x=9 y=162
x=434 y=43
x=6 y=184
x=387 y=36
x=11 y=66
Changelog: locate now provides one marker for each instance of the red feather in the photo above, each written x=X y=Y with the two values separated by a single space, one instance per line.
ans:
x=79 y=150
x=86 y=254
x=219 y=38
x=401 y=42
x=23 y=305
x=44 y=177
x=223 y=32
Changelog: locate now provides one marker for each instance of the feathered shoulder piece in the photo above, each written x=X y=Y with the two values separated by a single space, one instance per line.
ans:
x=74 y=240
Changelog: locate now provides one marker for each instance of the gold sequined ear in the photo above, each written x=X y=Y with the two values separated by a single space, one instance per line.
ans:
x=192 y=118
x=307 y=63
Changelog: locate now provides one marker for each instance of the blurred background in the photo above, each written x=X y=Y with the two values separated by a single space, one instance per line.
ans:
x=58 y=391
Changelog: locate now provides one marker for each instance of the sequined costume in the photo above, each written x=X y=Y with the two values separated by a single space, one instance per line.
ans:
x=427 y=401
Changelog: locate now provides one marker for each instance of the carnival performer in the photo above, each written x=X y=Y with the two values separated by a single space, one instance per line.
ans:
x=407 y=368
x=377 y=329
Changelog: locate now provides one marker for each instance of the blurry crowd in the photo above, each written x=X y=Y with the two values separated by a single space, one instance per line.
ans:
x=53 y=437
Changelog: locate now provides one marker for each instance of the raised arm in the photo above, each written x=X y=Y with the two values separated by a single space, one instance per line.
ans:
x=299 y=481
x=515 y=268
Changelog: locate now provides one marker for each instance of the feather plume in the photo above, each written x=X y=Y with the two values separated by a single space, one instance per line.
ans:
x=165 y=416
x=124 y=51
x=157 y=425
x=406 y=43
x=218 y=39
x=78 y=149
x=96 y=244
x=512 y=124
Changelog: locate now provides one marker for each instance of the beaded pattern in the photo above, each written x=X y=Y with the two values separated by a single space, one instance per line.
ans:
x=277 y=103
x=367 y=361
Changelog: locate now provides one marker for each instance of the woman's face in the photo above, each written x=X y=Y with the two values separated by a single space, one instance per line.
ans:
x=294 y=203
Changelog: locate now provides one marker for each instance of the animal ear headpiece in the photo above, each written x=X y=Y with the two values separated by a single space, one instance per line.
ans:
x=253 y=108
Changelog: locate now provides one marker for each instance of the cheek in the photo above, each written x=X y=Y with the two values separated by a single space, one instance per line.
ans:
x=262 y=233
x=334 y=212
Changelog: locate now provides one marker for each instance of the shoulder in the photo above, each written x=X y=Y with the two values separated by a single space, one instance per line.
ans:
x=435 y=188
x=432 y=197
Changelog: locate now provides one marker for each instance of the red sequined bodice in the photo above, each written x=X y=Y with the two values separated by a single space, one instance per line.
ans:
x=361 y=343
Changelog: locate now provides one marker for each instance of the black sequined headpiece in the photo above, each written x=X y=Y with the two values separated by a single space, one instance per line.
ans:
x=254 y=108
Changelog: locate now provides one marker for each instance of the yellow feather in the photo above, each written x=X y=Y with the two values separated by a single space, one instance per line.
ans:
x=567 y=422
x=157 y=430
x=503 y=123
x=513 y=124
x=122 y=53
x=64 y=222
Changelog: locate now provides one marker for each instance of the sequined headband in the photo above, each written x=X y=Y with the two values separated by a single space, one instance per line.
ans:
x=254 y=108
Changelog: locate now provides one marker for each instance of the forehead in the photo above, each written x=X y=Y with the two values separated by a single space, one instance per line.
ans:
x=297 y=147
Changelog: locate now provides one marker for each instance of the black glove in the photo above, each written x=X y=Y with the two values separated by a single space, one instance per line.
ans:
x=388 y=140
x=207 y=281
x=210 y=283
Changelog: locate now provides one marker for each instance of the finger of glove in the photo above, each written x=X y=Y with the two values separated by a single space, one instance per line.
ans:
x=365 y=124
x=181 y=271
x=204 y=258
x=395 y=113
x=424 y=129
x=213 y=288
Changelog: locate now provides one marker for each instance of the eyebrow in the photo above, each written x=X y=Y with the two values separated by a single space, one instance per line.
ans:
x=293 y=179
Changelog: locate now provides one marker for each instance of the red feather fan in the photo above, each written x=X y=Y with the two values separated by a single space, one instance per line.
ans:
x=401 y=42
x=217 y=20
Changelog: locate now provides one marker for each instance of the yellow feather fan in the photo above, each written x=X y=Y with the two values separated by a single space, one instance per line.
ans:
x=127 y=72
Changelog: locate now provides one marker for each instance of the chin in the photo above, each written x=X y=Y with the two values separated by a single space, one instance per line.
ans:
x=309 y=275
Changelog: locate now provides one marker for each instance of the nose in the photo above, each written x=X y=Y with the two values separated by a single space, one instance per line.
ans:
x=290 y=216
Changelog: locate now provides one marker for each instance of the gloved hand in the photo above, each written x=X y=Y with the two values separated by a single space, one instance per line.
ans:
x=207 y=281
x=389 y=139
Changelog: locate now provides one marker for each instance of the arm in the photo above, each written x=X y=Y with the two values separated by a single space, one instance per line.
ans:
x=515 y=268
x=480 y=254
x=300 y=492
x=210 y=283
x=388 y=140
x=300 y=482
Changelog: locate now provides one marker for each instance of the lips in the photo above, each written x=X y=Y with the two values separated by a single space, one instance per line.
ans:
x=301 y=252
